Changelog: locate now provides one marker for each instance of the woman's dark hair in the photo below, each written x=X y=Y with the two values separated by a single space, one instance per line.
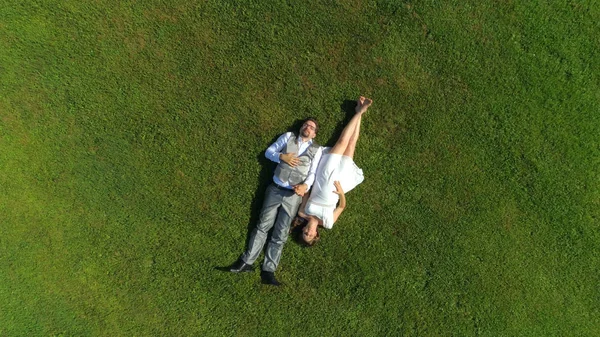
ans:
x=314 y=120
x=297 y=224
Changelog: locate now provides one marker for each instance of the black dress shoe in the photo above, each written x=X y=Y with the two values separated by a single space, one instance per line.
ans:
x=269 y=278
x=240 y=266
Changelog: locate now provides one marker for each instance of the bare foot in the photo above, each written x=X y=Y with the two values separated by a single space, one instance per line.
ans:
x=365 y=103
x=359 y=103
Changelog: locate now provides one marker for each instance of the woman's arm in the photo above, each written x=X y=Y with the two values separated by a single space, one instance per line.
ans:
x=342 y=204
x=303 y=205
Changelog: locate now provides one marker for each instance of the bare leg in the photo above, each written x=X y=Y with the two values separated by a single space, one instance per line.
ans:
x=352 y=142
x=361 y=107
x=349 y=152
x=350 y=129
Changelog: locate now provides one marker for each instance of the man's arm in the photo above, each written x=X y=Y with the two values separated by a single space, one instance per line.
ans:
x=273 y=152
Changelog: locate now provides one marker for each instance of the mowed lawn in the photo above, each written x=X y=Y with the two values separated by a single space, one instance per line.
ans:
x=132 y=138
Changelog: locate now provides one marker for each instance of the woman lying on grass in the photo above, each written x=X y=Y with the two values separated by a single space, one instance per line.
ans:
x=336 y=174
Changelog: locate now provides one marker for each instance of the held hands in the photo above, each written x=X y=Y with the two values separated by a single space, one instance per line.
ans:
x=300 y=189
x=290 y=159
x=338 y=188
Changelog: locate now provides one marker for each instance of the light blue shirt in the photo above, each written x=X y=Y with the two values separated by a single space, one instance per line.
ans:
x=274 y=151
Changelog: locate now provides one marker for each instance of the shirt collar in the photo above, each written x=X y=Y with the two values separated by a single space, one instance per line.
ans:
x=299 y=140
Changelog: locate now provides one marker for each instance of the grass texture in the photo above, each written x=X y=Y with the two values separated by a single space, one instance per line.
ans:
x=131 y=163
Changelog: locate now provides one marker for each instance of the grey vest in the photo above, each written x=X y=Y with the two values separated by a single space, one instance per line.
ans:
x=296 y=175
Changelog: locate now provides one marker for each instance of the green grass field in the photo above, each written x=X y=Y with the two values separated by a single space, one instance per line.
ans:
x=131 y=165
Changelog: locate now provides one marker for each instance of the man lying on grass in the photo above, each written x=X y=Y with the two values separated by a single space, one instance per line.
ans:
x=297 y=157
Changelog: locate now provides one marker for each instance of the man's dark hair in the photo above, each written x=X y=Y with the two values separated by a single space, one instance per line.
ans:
x=314 y=120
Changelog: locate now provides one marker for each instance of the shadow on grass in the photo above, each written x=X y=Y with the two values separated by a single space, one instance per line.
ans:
x=265 y=178
x=348 y=108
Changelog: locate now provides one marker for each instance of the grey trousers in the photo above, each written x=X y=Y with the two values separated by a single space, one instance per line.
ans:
x=278 y=210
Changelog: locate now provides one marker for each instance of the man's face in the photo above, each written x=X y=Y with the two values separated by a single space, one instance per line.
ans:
x=308 y=130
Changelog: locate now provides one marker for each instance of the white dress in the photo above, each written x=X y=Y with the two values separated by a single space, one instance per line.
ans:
x=332 y=167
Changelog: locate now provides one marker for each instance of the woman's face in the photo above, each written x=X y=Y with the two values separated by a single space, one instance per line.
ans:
x=310 y=230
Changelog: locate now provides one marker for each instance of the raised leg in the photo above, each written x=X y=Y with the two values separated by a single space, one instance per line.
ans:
x=347 y=134
x=353 y=139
